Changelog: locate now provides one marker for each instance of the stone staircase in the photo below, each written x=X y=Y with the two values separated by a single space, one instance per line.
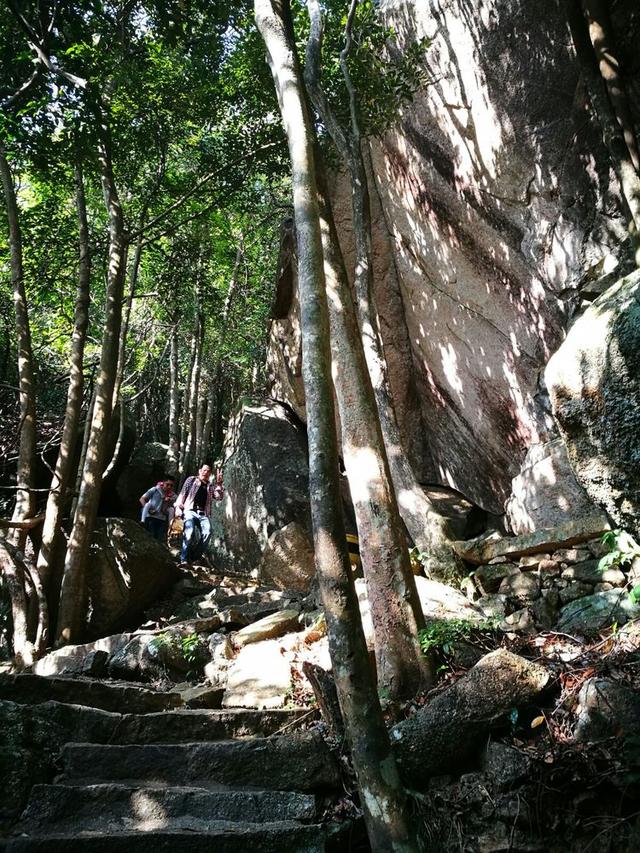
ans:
x=196 y=780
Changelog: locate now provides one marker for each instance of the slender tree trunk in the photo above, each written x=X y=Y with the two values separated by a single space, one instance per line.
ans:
x=193 y=391
x=201 y=416
x=395 y=607
x=13 y=571
x=25 y=501
x=427 y=528
x=188 y=396
x=612 y=134
x=122 y=348
x=206 y=450
x=85 y=444
x=72 y=595
x=63 y=472
x=174 y=393
x=383 y=798
x=601 y=35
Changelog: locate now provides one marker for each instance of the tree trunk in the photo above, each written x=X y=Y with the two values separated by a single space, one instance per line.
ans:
x=427 y=529
x=122 y=348
x=383 y=798
x=62 y=475
x=72 y=595
x=193 y=391
x=201 y=416
x=25 y=500
x=612 y=134
x=13 y=570
x=206 y=449
x=174 y=392
x=601 y=35
x=395 y=607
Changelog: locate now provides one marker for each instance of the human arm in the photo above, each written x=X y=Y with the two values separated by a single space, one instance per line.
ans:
x=184 y=491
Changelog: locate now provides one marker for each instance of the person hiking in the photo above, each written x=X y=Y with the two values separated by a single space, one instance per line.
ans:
x=194 y=505
x=156 y=505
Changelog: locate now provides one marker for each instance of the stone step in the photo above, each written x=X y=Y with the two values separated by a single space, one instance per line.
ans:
x=222 y=837
x=27 y=689
x=182 y=726
x=297 y=762
x=111 y=807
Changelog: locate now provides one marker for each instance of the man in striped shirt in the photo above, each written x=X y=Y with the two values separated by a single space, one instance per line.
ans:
x=194 y=504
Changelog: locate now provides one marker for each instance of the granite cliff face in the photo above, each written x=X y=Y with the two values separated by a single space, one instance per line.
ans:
x=495 y=207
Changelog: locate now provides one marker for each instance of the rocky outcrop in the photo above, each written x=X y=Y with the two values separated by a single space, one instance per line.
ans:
x=594 y=385
x=546 y=493
x=495 y=211
x=127 y=570
x=266 y=481
x=288 y=561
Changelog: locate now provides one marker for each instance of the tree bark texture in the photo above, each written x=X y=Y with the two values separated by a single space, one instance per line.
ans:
x=383 y=798
x=25 y=500
x=174 y=402
x=612 y=134
x=13 y=571
x=63 y=471
x=427 y=528
x=602 y=39
x=395 y=607
x=72 y=595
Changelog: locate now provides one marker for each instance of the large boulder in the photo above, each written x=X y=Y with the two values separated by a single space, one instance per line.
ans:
x=127 y=570
x=288 y=561
x=546 y=493
x=594 y=384
x=267 y=485
x=454 y=725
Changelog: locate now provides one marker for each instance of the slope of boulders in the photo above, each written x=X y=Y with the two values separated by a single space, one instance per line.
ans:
x=529 y=740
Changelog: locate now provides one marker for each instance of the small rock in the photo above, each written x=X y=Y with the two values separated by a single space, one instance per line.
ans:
x=572 y=555
x=95 y=663
x=220 y=648
x=493 y=606
x=603 y=587
x=490 y=577
x=590 y=572
x=521 y=621
x=201 y=696
x=505 y=765
x=497 y=560
x=550 y=567
x=450 y=729
x=575 y=590
x=545 y=610
x=260 y=677
x=523 y=588
x=588 y=615
x=606 y=709
x=268 y=628
x=597 y=548
x=530 y=561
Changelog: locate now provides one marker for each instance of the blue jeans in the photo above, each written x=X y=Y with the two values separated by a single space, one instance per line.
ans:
x=157 y=527
x=192 y=520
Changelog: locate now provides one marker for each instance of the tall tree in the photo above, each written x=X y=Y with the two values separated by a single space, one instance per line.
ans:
x=25 y=503
x=72 y=593
x=63 y=473
x=427 y=528
x=383 y=798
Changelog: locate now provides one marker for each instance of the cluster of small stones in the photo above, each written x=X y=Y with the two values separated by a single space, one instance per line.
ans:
x=528 y=595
